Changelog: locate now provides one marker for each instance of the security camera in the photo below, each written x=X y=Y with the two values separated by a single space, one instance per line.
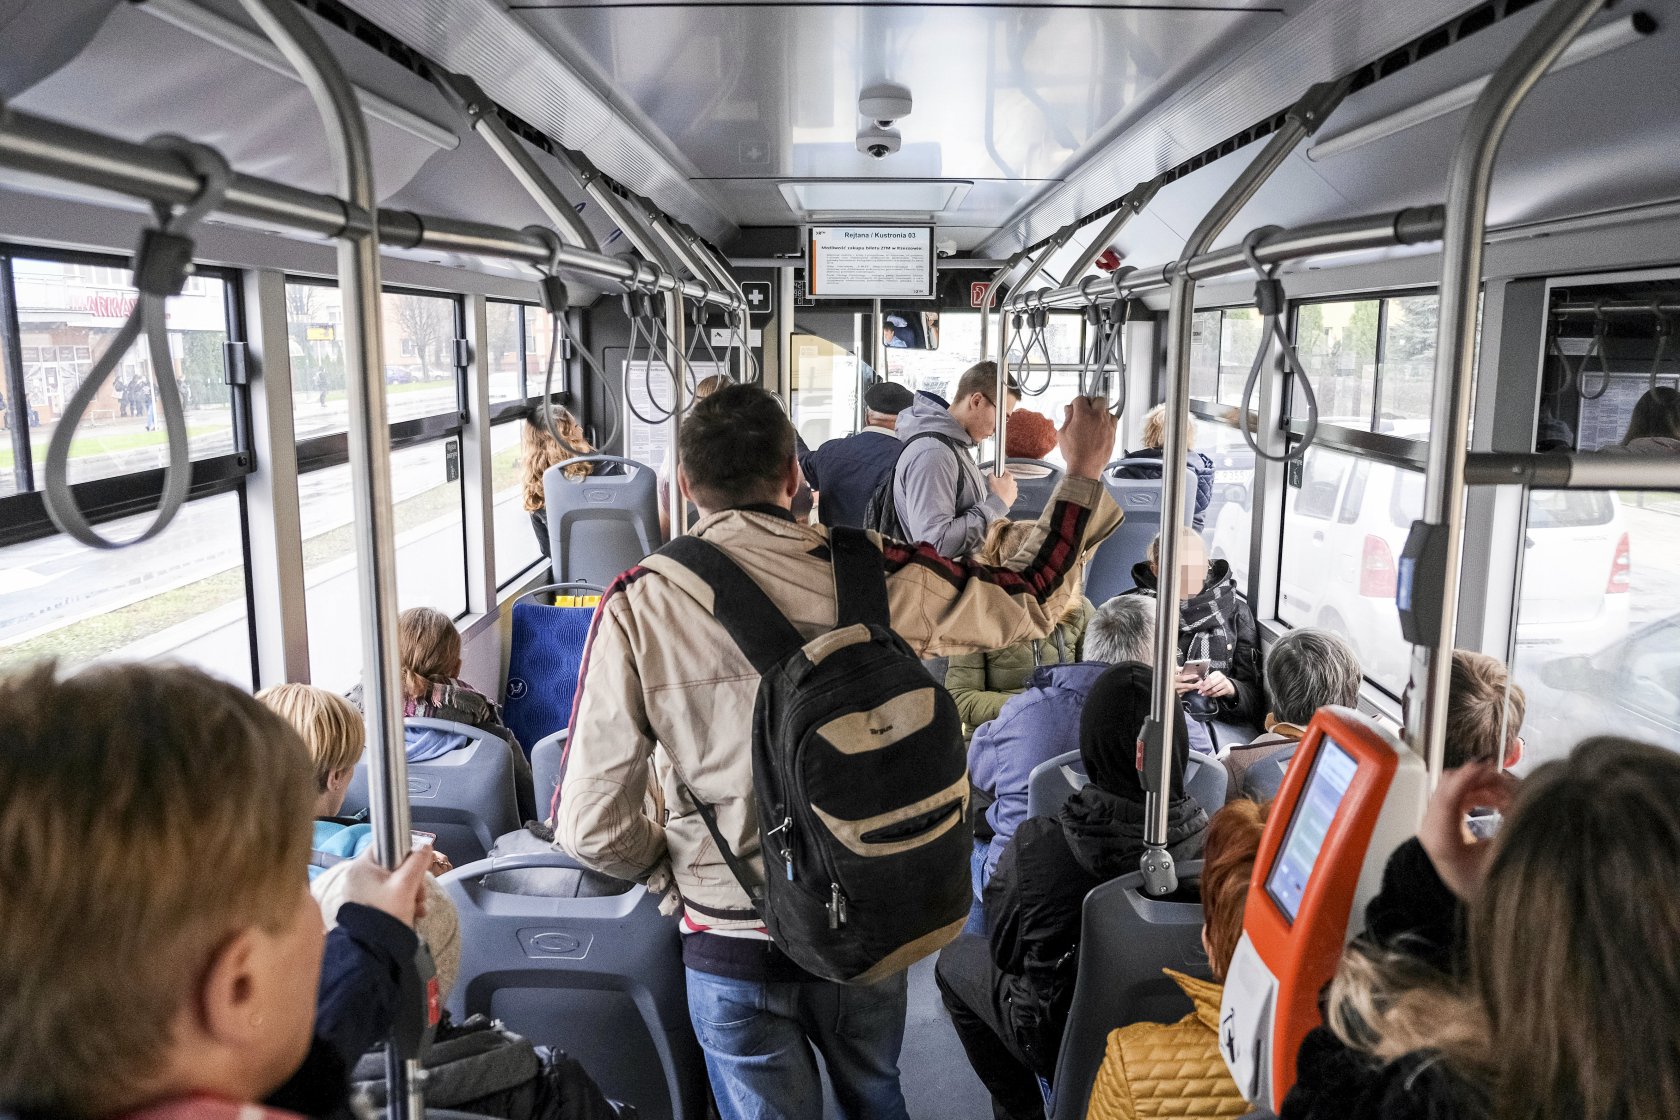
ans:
x=884 y=104
x=879 y=143
x=946 y=248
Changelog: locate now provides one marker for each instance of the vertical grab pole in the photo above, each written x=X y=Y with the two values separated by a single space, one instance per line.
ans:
x=1159 y=875
x=674 y=357
x=1434 y=545
x=370 y=454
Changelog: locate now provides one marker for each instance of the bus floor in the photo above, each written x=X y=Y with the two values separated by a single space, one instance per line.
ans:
x=938 y=1083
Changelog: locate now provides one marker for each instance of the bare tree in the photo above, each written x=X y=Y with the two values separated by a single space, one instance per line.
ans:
x=426 y=322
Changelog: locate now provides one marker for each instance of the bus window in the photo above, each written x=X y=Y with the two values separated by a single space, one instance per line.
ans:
x=1230 y=514
x=67 y=314
x=1598 y=631
x=1338 y=347
x=179 y=595
x=431 y=553
x=1204 y=355
x=503 y=324
x=1338 y=563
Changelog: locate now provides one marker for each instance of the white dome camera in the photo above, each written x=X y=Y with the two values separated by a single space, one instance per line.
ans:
x=884 y=104
x=879 y=143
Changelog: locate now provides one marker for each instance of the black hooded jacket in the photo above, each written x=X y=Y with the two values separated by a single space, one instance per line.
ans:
x=1217 y=624
x=1034 y=900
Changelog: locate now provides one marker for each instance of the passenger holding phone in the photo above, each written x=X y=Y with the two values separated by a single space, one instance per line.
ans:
x=1218 y=643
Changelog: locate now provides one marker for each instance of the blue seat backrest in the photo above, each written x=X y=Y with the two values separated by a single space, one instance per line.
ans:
x=545 y=658
x=1125 y=939
x=599 y=977
x=599 y=525
x=1055 y=780
x=1109 y=571
x=465 y=798
x=1032 y=494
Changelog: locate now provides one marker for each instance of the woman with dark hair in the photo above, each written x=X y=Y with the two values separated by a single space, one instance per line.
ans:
x=1009 y=999
x=1655 y=424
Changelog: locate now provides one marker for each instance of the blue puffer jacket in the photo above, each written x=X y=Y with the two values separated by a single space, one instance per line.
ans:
x=1034 y=727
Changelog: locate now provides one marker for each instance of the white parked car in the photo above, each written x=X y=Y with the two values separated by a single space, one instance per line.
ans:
x=1347 y=523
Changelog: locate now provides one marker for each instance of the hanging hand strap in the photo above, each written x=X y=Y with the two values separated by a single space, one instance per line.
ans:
x=556 y=301
x=1271 y=301
x=1665 y=330
x=1601 y=327
x=162 y=263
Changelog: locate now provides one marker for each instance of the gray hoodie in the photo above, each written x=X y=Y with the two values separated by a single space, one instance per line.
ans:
x=941 y=496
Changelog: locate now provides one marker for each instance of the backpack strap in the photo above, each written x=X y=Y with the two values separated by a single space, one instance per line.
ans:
x=761 y=631
x=737 y=867
x=860 y=582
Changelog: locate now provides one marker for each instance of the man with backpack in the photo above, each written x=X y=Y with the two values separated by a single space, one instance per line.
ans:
x=939 y=494
x=804 y=805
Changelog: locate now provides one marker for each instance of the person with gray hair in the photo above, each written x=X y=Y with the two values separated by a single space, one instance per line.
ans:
x=1124 y=630
x=1043 y=721
x=1306 y=669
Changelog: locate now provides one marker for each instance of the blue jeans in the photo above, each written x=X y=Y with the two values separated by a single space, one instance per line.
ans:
x=758 y=1037
x=976 y=872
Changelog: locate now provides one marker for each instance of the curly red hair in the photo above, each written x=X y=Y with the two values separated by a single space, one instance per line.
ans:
x=1030 y=435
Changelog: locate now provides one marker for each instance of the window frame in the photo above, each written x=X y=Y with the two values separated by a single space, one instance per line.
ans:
x=23 y=515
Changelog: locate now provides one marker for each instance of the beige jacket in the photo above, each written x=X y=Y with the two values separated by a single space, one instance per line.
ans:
x=665 y=699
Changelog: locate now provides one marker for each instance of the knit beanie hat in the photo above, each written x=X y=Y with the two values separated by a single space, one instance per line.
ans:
x=440 y=928
x=1115 y=711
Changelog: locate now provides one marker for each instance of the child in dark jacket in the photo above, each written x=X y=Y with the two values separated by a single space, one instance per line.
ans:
x=1009 y=999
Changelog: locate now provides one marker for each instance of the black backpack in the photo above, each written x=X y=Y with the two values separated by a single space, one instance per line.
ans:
x=860 y=778
x=881 y=514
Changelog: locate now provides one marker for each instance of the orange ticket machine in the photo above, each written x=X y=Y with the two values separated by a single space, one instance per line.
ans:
x=1352 y=794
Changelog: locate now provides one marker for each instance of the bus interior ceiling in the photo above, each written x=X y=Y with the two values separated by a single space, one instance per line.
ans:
x=742 y=123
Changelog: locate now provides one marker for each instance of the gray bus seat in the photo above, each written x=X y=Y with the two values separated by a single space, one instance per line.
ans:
x=548 y=766
x=1125 y=939
x=599 y=525
x=569 y=881
x=465 y=798
x=1109 y=571
x=601 y=978
x=1031 y=494
x=1055 y=780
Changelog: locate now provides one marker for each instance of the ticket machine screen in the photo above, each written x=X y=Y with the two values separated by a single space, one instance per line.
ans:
x=1332 y=772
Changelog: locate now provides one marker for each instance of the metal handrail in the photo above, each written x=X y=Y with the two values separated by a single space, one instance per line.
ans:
x=1469 y=182
x=469 y=99
x=370 y=461
x=106 y=163
x=1303 y=119
x=1413 y=225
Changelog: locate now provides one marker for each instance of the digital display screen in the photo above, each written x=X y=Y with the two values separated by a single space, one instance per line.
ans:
x=1332 y=773
x=870 y=262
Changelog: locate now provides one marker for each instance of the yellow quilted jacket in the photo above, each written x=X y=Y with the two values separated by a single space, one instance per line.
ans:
x=1157 y=1069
